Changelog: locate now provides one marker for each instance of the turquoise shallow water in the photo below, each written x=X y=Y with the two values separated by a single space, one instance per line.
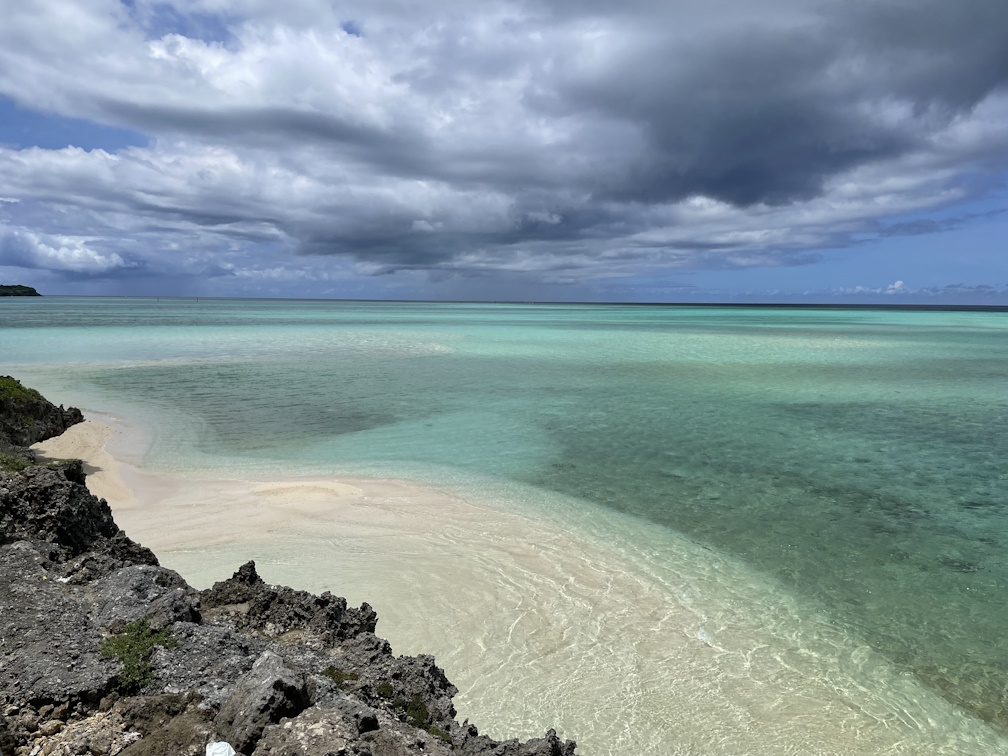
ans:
x=855 y=456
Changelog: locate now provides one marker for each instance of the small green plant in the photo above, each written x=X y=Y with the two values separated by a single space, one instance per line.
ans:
x=338 y=676
x=13 y=463
x=134 y=648
x=417 y=713
x=437 y=732
x=385 y=690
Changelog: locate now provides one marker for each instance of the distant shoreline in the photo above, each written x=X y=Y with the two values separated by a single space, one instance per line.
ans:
x=17 y=290
x=691 y=305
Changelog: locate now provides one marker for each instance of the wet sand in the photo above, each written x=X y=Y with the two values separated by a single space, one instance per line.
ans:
x=659 y=646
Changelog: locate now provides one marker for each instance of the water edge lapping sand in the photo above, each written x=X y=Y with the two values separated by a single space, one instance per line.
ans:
x=632 y=642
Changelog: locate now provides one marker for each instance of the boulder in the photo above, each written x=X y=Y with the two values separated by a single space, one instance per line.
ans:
x=206 y=658
x=268 y=693
x=156 y=594
x=313 y=732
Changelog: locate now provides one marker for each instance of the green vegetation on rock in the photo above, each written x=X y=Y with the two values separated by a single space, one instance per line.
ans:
x=437 y=732
x=417 y=713
x=134 y=648
x=17 y=290
x=11 y=388
x=12 y=463
x=338 y=676
x=385 y=690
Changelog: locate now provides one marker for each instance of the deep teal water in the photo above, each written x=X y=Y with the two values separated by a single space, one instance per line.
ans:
x=856 y=456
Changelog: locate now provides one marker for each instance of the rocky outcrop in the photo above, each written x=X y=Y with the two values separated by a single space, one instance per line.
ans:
x=273 y=611
x=269 y=692
x=103 y=651
x=26 y=417
x=48 y=505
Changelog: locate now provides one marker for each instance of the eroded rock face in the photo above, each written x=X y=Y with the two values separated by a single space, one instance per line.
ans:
x=42 y=504
x=269 y=692
x=138 y=592
x=26 y=417
x=315 y=731
x=49 y=648
x=272 y=670
x=253 y=606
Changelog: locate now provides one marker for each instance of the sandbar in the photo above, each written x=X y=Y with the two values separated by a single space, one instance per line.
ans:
x=662 y=647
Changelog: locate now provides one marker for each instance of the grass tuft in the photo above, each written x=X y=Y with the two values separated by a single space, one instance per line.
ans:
x=134 y=648
x=417 y=713
x=13 y=463
x=437 y=732
x=338 y=676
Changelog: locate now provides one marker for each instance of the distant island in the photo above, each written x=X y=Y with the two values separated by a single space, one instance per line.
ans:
x=17 y=290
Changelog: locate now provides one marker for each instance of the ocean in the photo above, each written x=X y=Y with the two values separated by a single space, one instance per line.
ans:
x=832 y=479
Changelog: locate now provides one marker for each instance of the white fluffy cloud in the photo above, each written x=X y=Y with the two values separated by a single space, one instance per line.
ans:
x=25 y=249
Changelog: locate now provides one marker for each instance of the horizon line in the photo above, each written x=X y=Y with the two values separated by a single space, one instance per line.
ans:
x=711 y=304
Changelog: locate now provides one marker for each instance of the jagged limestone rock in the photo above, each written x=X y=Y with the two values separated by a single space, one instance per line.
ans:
x=268 y=693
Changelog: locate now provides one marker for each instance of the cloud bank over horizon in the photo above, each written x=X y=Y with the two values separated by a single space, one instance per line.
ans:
x=551 y=149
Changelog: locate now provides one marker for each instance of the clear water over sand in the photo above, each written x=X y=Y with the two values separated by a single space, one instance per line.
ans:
x=824 y=488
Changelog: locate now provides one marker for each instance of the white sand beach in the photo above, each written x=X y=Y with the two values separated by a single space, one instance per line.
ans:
x=542 y=626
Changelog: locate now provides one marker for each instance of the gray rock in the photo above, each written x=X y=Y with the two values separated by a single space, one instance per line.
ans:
x=395 y=738
x=49 y=649
x=26 y=417
x=206 y=658
x=41 y=504
x=269 y=692
x=104 y=557
x=469 y=742
x=156 y=594
x=253 y=606
x=313 y=732
x=168 y=724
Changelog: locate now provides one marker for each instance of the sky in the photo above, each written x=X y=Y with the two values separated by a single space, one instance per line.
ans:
x=566 y=150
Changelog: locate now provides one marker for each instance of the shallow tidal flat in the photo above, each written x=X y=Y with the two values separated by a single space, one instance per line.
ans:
x=666 y=530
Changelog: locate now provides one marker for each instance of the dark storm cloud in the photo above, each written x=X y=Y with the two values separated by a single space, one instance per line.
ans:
x=769 y=115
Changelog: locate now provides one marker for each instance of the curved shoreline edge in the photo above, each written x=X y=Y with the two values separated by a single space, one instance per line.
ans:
x=369 y=533
x=103 y=650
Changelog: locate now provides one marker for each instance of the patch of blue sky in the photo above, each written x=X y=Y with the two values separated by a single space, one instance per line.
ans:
x=352 y=28
x=23 y=128
x=159 y=19
x=963 y=243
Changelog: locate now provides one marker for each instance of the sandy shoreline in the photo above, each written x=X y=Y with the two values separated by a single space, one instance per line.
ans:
x=539 y=626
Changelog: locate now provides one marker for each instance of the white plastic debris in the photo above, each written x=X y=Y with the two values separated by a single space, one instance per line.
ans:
x=219 y=749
